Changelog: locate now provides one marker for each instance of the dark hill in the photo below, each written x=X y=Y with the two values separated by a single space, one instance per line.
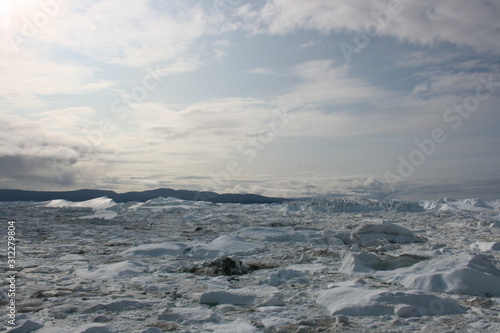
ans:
x=82 y=195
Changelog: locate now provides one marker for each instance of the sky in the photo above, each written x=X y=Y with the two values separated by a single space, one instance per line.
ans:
x=368 y=98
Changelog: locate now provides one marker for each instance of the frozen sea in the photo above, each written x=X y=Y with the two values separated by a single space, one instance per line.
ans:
x=334 y=265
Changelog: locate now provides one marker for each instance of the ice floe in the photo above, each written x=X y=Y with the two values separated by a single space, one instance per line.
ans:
x=225 y=245
x=261 y=296
x=462 y=273
x=367 y=262
x=485 y=246
x=97 y=203
x=390 y=232
x=448 y=273
x=172 y=265
x=119 y=270
x=354 y=301
x=157 y=249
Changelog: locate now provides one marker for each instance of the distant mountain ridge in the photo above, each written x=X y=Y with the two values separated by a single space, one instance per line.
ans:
x=82 y=195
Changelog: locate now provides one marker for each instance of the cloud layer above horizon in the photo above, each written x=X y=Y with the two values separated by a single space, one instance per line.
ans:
x=289 y=98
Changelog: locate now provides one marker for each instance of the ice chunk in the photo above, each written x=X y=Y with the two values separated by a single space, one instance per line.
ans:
x=225 y=245
x=189 y=315
x=462 y=274
x=485 y=246
x=119 y=270
x=352 y=301
x=157 y=249
x=367 y=262
x=100 y=205
x=261 y=296
x=391 y=232
x=97 y=203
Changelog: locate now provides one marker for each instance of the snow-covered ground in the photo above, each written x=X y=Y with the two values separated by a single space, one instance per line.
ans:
x=307 y=266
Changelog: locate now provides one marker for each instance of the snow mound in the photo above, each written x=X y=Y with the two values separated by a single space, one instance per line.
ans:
x=157 y=249
x=225 y=245
x=485 y=246
x=261 y=296
x=186 y=316
x=367 y=262
x=390 y=232
x=462 y=274
x=119 y=270
x=353 y=301
x=97 y=203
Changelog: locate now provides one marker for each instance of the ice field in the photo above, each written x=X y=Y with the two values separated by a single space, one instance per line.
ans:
x=304 y=266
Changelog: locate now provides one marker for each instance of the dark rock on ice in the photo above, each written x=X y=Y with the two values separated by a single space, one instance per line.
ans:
x=221 y=266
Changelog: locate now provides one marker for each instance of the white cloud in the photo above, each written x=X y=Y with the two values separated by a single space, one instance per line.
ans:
x=325 y=83
x=310 y=44
x=28 y=77
x=220 y=49
x=466 y=23
x=261 y=71
x=133 y=35
x=445 y=82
